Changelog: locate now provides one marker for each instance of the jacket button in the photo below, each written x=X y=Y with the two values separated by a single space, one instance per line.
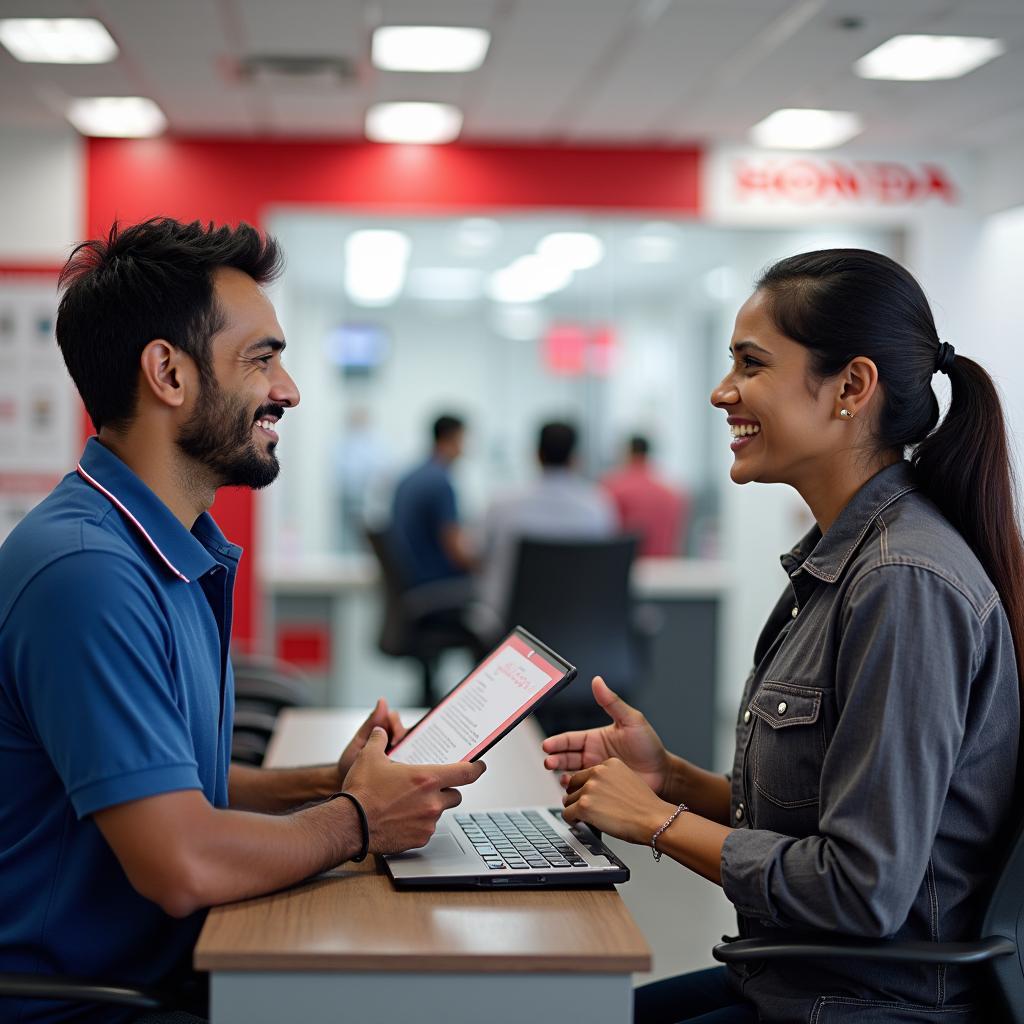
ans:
x=782 y=707
x=795 y=612
x=739 y=813
x=746 y=717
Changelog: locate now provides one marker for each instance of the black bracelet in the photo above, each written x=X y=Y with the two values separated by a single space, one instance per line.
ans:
x=364 y=826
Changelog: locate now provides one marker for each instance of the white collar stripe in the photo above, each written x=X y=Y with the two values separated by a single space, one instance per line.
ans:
x=99 y=487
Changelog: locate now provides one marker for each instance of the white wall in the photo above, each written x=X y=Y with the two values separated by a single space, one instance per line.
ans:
x=42 y=195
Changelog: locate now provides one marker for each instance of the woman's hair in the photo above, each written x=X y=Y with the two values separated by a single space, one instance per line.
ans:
x=843 y=303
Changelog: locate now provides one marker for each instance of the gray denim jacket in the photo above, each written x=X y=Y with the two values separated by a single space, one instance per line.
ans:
x=875 y=761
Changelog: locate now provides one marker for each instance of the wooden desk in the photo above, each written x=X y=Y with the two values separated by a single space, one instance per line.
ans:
x=347 y=946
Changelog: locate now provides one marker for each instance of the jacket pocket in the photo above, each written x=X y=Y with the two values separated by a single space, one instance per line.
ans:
x=787 y=745
x=843 y=1010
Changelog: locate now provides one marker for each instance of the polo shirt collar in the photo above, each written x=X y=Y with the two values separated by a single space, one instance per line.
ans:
x=825 y=557
x=185 y=555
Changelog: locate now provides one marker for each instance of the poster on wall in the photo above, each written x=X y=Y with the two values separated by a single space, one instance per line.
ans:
x=38 y=406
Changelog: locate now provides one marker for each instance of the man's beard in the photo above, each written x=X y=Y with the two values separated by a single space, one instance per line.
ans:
x=219 y=436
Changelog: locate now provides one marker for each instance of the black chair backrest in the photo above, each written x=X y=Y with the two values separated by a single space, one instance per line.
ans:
x=1005 y=916
x=575 y=596
x=393 y=637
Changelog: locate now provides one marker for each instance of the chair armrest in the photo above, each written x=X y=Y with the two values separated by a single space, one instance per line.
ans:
x=916 y=952
x=57 y=986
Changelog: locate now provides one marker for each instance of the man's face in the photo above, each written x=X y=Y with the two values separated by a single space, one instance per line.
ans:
x=231 y=426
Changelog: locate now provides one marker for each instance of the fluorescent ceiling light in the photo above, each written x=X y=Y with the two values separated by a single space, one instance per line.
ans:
x=576 y=250
x=413 y=122
x=57 y=40
x=528 y=279
x=125 y=117
x=428 y=48
x=445 y=284
x=798 y=128
x=375 y=265
x=927 y=58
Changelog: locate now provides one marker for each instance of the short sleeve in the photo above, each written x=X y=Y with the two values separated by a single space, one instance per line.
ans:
x=92 y=672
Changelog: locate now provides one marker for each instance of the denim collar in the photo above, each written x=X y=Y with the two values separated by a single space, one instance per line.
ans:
x=185 y=555
x=830 y=554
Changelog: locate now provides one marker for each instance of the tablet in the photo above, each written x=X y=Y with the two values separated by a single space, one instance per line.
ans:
x=517 y=676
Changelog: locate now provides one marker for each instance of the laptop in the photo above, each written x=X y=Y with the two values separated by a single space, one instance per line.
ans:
x=520 y=848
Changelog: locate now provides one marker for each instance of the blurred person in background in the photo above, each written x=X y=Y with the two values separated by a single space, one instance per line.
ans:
x=426 y=535
x=559 y=505
x=647 y=506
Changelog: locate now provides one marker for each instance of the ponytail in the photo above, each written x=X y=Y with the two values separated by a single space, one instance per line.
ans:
x=964 y=467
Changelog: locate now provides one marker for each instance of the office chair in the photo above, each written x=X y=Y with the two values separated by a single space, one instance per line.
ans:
x=61 y=987
x=417 y=622
x=576 y=597
x=1000 y=946
x=263 y=686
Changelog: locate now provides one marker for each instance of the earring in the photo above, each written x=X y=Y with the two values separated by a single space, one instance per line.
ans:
x=846 y=414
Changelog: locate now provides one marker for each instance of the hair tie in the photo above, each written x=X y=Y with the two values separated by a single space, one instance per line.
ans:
x=945 y=357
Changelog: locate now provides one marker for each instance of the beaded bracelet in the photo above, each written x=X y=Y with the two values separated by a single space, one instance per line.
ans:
x=364 y=826
x=675 y=814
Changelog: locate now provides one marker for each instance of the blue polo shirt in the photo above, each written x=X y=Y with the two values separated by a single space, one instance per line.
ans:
x=115 y=684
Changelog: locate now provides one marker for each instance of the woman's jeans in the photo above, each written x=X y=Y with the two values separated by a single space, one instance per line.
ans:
x=704 y=997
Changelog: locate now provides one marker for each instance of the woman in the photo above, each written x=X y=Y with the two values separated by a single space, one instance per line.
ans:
x=877 y=738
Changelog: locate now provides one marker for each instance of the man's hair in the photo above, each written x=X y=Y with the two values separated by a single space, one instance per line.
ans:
x=141 y=282
x=556 y=444
x=640 y=446
x=447 y=426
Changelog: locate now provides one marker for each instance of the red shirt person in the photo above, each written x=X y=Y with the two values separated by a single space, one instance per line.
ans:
x=647 y=506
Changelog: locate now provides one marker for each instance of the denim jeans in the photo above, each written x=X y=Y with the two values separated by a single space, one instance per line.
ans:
x=704 y=997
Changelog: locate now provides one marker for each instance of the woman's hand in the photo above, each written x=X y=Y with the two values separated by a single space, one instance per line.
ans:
x=615 y=799
x=629 y=737
x=381 y=716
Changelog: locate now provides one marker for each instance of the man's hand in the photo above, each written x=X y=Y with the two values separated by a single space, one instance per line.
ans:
x=404 y=801
x=615 y=799
x=629 y=737
x=379 y=716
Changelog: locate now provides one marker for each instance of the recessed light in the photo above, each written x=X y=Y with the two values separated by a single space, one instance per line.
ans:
x=126 y=117
x=57 y=40
x=577 y=250
x=428 y=48
x=927 y=58
x=805 y=128
x=529 y=278
x=375 y=265
x=413 y=122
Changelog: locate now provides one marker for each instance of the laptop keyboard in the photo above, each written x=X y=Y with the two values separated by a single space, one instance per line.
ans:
x=522 y=840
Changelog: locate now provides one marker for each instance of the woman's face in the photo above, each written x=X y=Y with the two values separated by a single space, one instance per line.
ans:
x=783 y=424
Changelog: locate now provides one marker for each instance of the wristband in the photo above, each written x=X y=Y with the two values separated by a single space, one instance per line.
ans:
x=675 y=814
x=364 y=826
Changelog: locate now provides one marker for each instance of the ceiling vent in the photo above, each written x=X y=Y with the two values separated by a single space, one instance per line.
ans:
x=284 y=71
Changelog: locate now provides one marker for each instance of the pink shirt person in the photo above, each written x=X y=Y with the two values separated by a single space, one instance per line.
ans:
x=647 y=506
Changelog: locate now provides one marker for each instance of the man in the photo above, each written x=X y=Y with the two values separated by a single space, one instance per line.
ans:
x=646 y=505
x=560 y=505
x=428 y=539
x=120 y=819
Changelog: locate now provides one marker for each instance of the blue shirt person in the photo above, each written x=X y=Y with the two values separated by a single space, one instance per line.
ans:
x=121 y=819
x=425 y=532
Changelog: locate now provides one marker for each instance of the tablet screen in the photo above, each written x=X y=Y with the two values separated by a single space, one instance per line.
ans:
x=501 y=691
